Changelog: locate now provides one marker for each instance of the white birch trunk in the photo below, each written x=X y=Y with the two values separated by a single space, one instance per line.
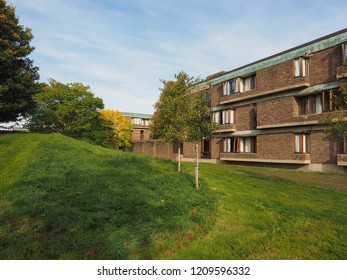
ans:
x=179 y=158
x=197 y=166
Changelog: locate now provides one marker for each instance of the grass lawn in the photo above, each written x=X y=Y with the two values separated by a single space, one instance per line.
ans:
x=268 y=213
x=65 y=199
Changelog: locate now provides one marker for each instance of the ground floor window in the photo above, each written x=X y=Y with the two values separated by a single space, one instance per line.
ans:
x=344 y=145
x=239 y=145
x=302 y=143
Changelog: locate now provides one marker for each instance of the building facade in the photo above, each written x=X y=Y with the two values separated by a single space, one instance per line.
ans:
x=140 y=126
x=269 y=111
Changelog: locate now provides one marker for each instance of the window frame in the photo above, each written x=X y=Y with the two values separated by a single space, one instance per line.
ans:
x=316 y=103
x=244 y=86
x=301 y=67
x=229 y=87
x=344 y=52
x=216 y=117
x=302 y=143
x=228 y=116
x=244 y=145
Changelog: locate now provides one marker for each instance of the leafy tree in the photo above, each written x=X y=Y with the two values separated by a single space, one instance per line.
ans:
x=336 y=121
x=199 y=125
x=121 y=128
x=182 y=115
x=72 y=110
x=18 y=76
x=169 y=123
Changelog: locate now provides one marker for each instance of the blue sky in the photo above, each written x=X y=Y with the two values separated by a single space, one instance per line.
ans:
x=122 y=48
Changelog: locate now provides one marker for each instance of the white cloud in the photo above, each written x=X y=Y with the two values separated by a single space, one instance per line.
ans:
x=122 y=48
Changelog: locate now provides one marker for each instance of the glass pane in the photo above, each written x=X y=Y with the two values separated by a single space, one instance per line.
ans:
x=297 y=67
x=319 y=108
x=248 y=144
x=297 y=143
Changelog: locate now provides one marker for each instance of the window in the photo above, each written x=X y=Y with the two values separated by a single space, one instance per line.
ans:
x=344 y=145
x=239 y=145
x=302 y=143
x=344 y=53
x=243 y=84
x=145 y=122
x=137 y=121
x=142 y=134
x=301 y=67
x=216 y=117
x=227 y=116
x=316 y=104
x=249 y=83
x=327 y=101
x=229 y=87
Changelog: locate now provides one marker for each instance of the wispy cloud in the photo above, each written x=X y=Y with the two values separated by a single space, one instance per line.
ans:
x=123 y=48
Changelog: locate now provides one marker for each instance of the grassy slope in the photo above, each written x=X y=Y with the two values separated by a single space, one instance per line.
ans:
x=65 y=199
x=273 y=214
x=61 y=198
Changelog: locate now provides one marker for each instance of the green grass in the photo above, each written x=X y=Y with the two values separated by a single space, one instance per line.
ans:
x=65 y=199
x=266 y=213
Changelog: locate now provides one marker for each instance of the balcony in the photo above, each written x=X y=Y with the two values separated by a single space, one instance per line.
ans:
x=342 y=159
x=229 y=127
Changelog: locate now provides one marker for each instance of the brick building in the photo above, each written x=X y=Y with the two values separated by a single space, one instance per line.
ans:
x=140 y=126
x=268 y=112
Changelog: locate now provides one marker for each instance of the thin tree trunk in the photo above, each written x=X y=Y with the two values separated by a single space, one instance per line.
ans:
x=197 y=166
x=179 y=157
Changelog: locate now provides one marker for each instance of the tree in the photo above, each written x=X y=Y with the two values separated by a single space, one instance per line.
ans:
x=18 y=76
x=72 y=110
x=121 y=128
x=199 y=125
x=169 y=123
x=182 y=115
x=336 y=121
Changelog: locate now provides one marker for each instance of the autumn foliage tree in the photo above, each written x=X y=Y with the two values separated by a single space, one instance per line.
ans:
x=122 y=128
x=18 y=76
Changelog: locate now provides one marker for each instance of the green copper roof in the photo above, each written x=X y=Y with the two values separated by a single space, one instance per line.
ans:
x=303 y=50
x=137 y=115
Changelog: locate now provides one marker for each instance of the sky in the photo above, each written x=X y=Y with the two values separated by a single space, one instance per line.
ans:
x=123 y=49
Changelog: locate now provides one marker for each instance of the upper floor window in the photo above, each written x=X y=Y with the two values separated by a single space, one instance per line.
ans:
x=301 y=67
x=139 y=121
x=239 y=145
x=229 y=87
x=249 y=83
x=344 y=52
x=302 y=143
x=228 y=116
x=317 y=103
x=216 y=117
